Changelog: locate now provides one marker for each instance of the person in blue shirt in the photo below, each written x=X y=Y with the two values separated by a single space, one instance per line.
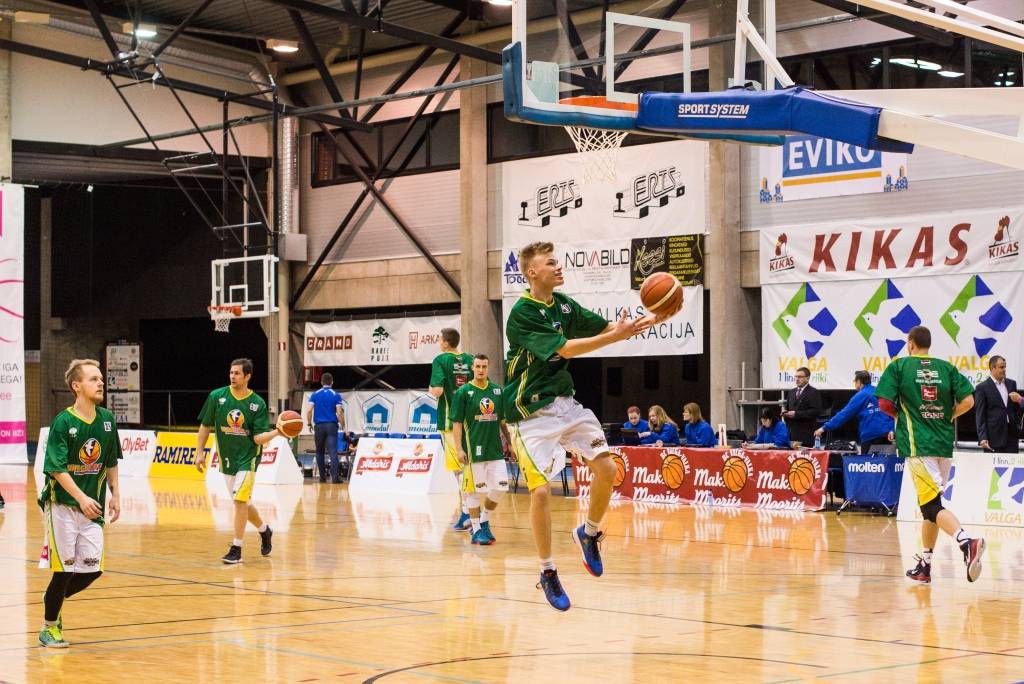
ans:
x=772 y=431
x=696 y=430
x=325 y=416
x=662 y=429
x=635 y=422
x=873 y=426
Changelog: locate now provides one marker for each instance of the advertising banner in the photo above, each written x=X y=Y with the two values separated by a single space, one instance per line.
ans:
x=401 y=465
x=788 y=480
x=175 y=456
x=411 y=412
x=376 y=342
x=806 y=166
x=660 y=190
x=983 y=489
x=837 y=328
x=12 y=329
x=964 y=241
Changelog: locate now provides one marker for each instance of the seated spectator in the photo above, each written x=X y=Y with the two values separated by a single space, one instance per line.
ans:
x=696 y=430
x=662 y=429
x=873 y=426
x=635 y=422
x=772 y=431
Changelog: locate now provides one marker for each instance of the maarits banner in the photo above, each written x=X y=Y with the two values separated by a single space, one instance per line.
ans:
x=12 y=329
x=377 y=342
x=842 y=298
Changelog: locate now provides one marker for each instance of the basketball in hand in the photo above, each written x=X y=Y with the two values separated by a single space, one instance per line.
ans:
x=289 y=424
x=661 y=292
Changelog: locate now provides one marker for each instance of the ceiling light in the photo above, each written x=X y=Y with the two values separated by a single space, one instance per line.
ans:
x=286 y=46
x=140 y=30
x=915 y=63
x=875 y=61
x=951 y=74
x=22 y=17
x=500 y=3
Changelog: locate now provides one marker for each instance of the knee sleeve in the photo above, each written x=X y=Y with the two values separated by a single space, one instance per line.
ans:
x=930 y=510
x=472 y=500
x=492 y=497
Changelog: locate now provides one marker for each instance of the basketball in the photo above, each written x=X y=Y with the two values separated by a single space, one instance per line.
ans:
x=289 y=424
x=661 y=292
x=801 y=476
x=734 y=473
x=672 y=471
x=620 y=470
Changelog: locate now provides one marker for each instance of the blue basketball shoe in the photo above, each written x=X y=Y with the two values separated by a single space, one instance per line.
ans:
x=485 y=527
x=590 y=547
x=553 y=591
x=463 y=523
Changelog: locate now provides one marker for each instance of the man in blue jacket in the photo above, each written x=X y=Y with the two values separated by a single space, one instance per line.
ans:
x=873 y=426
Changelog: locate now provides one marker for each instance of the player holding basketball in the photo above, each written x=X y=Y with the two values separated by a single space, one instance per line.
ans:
x=450 y=371
x=478 y=424
x=81 y=464
x=238 y=418
x=545 y=329
x=925 y=395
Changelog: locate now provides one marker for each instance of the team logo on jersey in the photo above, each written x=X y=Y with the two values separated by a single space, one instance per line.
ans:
x=929 y=393
x=254 y=407
x=90 y=451
x=236 y=423
x=486 y=410
x=566 y=308
x=73 y=431
x=221 y=400
x=107 y=427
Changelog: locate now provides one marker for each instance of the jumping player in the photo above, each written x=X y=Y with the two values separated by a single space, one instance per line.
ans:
x=925 y=395
x=238 y=417
x=478 y=426
x=81 y=464
x=450 y=371
x=545 y=329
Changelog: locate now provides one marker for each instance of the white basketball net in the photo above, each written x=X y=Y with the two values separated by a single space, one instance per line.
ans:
x=597 y=150
x=221 y=318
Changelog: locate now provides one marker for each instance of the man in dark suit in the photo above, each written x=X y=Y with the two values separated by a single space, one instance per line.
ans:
x=803 y=406
x=997 y=410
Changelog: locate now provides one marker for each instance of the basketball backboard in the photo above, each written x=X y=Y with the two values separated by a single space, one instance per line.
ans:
x=249 y=283
x=585 y=63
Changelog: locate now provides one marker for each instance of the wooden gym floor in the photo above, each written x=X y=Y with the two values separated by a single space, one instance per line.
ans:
x=380 y=590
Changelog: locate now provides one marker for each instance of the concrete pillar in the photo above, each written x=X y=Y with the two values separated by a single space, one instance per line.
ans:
x=735 y=323
x=47 y=352
x=481 y=332
x=6 y=159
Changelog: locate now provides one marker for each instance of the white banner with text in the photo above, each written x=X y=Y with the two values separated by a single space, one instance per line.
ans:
x=12 y=329
x=376 y=342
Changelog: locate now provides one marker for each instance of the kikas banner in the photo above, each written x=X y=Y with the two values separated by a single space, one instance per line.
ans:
x=961 y=241
x=376 y=342
x=837 y=328
x=659 y=190
x=681 y=334
x=12 y=330
x=806 y=166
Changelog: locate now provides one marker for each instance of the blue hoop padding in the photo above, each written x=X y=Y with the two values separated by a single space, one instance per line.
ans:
x=780 y=112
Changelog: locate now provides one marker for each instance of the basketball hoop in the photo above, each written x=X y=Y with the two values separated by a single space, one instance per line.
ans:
x=222 y=315
x=597 y=149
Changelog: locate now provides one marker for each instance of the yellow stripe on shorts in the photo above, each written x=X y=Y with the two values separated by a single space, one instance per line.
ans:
x=926 y=487
x=451 y=455
x=55 y=562
x=534 y=477
x=245 y=489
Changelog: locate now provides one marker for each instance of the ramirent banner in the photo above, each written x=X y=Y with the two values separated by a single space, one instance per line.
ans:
x=837 y=328
x=12 y=329
x=376 y=342
x=963 y=241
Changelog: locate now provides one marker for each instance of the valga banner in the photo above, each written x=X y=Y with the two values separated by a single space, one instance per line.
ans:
x=964 y=241
x=377 y=342
x=681 y=334
x=807 y=166
x=788 y=480
x=836 y=328
x=12 y=329
x=659 y=190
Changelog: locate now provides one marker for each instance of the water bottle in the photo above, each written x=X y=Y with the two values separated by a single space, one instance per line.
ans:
x=817 y=442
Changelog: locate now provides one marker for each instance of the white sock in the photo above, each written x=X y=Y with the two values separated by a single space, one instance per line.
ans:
x=590 y=527
x=236 y=542
x=962 y=537
x=465 y=509
x=49 y=623
x=926 y=554
x=485 y=515
x=475 y=522
x=262 y=528
x=546 y=564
